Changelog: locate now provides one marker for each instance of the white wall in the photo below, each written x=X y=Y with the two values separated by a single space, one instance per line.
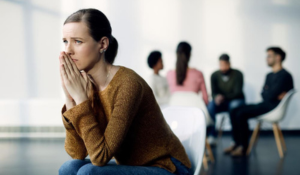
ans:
x=30 y=32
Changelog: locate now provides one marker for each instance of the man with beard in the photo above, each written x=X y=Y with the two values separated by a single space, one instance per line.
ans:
x=277 y=84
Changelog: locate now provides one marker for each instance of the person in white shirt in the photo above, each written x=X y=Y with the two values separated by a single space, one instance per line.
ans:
x=158 y=83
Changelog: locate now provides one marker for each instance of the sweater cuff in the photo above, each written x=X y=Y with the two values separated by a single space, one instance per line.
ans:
x=78 y=111
x=68 y=125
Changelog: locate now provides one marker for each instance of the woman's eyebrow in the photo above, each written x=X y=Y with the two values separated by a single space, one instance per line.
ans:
x=76 y=38
x=73 y=38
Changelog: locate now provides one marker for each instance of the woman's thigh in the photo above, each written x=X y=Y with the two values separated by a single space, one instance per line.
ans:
x=89 y=169
x=71 y=167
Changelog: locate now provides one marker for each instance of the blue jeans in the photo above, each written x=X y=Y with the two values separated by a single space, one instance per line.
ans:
x=226 y=106
x=85 y=167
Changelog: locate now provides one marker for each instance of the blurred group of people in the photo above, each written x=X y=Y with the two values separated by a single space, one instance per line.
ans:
x=226 y=88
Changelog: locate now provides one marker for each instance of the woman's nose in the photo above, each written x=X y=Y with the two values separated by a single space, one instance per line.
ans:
x=69 y=49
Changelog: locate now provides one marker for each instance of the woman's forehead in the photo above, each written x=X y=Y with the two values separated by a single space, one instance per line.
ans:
x=75 y=29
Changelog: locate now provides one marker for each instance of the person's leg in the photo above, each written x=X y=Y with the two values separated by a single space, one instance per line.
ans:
x=232 y=104
x=242 y=116
x=121 y=170
x=113 y=168
x=213 y=109
x=233 y=108
x=71 y=167
x=234 y=125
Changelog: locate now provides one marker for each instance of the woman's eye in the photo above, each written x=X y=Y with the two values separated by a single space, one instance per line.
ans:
x=65 y=41
x=78 y=42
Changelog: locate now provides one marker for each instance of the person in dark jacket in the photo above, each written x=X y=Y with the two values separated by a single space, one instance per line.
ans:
x=277 y=84
x=227 y=92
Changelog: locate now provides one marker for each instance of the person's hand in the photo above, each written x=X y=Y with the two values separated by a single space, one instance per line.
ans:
x=74 y=82
x=68 y=96
x=280 y=97
x=219 y=99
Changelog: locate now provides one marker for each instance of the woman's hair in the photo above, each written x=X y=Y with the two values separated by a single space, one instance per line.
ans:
x=183 y=57
x=99 y=27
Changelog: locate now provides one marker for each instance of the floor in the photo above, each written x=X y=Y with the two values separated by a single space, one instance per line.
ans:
x=44 y=157
x=264 y=159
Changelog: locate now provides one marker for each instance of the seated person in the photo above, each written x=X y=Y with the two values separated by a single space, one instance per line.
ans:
x=227 y=92
x=185 y=78
x=158 y=83
x=277 y=84
x=110 y=111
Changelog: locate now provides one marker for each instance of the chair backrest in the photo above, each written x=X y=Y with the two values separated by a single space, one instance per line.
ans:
x=190 y=99
x=279 y=112
x=188 y=124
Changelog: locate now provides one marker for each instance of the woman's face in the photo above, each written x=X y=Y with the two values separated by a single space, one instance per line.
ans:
x=80 y=45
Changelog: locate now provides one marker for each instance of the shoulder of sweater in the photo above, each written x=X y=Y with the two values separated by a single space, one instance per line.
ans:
x=195 y=70
x=129 y=76
x=171 y=73
x=287 y=75
x=237 y=71
x=216 y=73
x=286 y=72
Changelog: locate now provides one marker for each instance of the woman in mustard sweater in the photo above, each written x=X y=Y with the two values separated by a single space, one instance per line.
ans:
x=110 y=111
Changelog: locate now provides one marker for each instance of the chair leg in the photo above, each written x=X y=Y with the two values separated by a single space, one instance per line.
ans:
x=277 y=138
x=281 y=138
x=205 y=165
x=220 y=128
x=253 y=138
x=210 y=153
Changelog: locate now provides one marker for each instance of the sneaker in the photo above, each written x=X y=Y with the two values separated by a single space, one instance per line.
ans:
x=229 y=149
x=238 y=152
x=211 y=141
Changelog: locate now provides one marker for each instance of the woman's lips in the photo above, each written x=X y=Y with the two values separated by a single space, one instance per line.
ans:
x=74 y=60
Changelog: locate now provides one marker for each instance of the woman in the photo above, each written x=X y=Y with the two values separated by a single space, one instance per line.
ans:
x=185 y=78
x=110 y=111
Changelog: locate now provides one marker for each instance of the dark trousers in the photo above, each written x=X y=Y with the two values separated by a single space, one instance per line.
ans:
x=226 y=106
x=239 y=121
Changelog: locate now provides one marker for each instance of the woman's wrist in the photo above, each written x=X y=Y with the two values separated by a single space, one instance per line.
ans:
x=70 y=104
x=81 y=99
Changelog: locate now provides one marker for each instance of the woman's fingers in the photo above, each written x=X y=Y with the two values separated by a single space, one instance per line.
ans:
x=67 y=66
x=73 y=65
x=60 y=58
x=63 y=73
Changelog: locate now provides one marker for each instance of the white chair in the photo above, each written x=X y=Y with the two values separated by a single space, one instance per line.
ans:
x=188 y=124
x=273 y=117
x=192 y=99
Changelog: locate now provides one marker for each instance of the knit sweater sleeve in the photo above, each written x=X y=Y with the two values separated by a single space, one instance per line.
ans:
x=103 y=143
x=74 y=145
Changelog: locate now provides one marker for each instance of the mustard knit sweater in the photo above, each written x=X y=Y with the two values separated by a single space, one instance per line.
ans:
x=130 y=127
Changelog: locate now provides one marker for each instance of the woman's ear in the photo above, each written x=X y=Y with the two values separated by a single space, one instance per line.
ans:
x=104 y=43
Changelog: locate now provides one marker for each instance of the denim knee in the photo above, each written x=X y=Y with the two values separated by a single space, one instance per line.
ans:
x=90 y=169
x=71 y=167
x=67 y=168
